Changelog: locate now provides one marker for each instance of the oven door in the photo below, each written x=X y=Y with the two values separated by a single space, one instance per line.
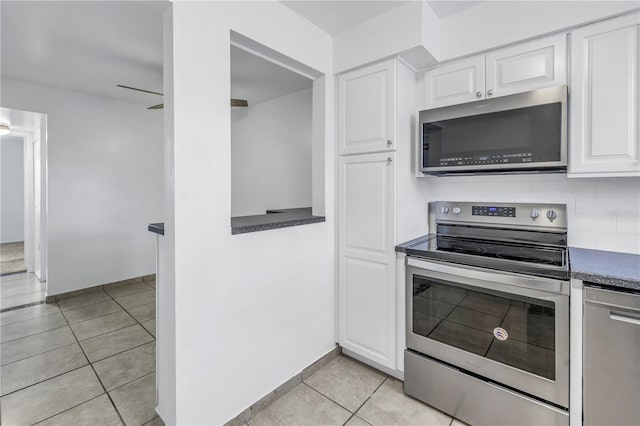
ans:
x=508 y=328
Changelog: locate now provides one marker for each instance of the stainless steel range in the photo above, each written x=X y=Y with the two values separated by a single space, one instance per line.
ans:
x=488 y=314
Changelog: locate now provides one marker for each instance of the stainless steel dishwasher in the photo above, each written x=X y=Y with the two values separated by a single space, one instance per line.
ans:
x=611 y=368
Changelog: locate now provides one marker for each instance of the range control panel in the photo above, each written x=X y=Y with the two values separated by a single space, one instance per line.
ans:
x=551 y=216
x=493 y=211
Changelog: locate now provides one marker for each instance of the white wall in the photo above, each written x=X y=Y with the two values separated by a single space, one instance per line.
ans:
x=251 y=310
x=12 y=190
x=492 y=24
x=271 y=155
x=603 y=214
x=105 y=178
x=423 y=39
x=385 y=35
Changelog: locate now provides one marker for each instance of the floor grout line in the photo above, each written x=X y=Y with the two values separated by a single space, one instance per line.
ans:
x=34 y=334
x=327 y=397
x=69 y=409
x=136 y=320
x=31 y=356
x=84 y=353
x=97 y=375
x=26 y=305
x=47 y=379
x=94 y=318
x=29 y=319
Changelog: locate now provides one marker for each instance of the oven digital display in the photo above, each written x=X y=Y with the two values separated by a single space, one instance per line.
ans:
x=493 y=211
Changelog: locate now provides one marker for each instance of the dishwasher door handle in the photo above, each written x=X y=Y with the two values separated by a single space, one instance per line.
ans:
x=619 y=316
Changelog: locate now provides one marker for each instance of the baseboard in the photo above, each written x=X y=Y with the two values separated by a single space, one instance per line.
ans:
x=281 y=390
x=100 y=287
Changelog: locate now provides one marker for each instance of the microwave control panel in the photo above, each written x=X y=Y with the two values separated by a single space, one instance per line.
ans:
x=520 y=157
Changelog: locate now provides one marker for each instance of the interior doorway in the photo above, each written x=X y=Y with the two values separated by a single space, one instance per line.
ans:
x=23 y=197
x=12 y=215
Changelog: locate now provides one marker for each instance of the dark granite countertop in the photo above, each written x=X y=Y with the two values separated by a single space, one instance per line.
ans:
x=605 y=267
x=274 y=219
x=158 y=228
x=600 y=267
x=402 y=248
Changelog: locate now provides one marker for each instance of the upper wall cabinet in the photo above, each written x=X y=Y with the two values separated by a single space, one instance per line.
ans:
x=367 y=109
x=456 y=83
x=521 y=68
x=605 y=87
x=528 y=66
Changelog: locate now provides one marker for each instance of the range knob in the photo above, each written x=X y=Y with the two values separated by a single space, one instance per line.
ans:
x=533 y=214
x=444 y=209
x=551 y=215
x=456 y=210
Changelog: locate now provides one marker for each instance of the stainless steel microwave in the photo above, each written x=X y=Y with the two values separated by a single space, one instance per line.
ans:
x=526 y=132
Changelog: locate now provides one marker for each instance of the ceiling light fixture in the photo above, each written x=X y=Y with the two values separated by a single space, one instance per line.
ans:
x=4 y=129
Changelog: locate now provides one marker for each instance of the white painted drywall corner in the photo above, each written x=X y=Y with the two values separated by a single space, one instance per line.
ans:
x=386 y=35
x=104 y=184
x=270 y=293
x=13 y=189
x=319 y=154
x=165 y=284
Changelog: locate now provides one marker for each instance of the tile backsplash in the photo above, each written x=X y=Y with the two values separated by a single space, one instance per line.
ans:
x=603 y=214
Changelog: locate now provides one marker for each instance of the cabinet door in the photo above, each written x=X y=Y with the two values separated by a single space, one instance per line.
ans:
x=366 y=264
x=456 y=83
x=603 y=109
x=527 y=66
x=366 y=108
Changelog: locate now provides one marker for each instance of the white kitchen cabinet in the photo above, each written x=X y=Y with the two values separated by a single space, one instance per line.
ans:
x=521 y=68
x=380 y=203
x=455 y=83
x=366 y=282
x=603 y=110
x=366 y=108
x=527 y=66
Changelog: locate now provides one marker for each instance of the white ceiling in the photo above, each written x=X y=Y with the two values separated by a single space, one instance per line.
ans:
x=258 y=80
x=88 y=46
x=337 y=16
x=450 y=7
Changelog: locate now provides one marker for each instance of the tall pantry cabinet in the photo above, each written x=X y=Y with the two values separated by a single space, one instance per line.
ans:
x=376 y=137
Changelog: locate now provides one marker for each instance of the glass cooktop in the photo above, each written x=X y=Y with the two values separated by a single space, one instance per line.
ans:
x=539 y=260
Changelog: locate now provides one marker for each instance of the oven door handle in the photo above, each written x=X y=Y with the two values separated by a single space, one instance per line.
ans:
x=533 y=283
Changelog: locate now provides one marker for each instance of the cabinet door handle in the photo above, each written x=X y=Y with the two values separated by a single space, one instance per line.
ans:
x=389 y=142
x=489 y=92
x=389 y=160
x=478 y=94
x=619 y=316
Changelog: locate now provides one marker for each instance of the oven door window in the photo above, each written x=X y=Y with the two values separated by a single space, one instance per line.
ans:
x=513 y=330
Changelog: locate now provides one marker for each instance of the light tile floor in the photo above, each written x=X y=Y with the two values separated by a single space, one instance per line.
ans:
x=20 y=289
x=346 y=392
x=86 y=360
x=90 y=360
x=12 y=258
